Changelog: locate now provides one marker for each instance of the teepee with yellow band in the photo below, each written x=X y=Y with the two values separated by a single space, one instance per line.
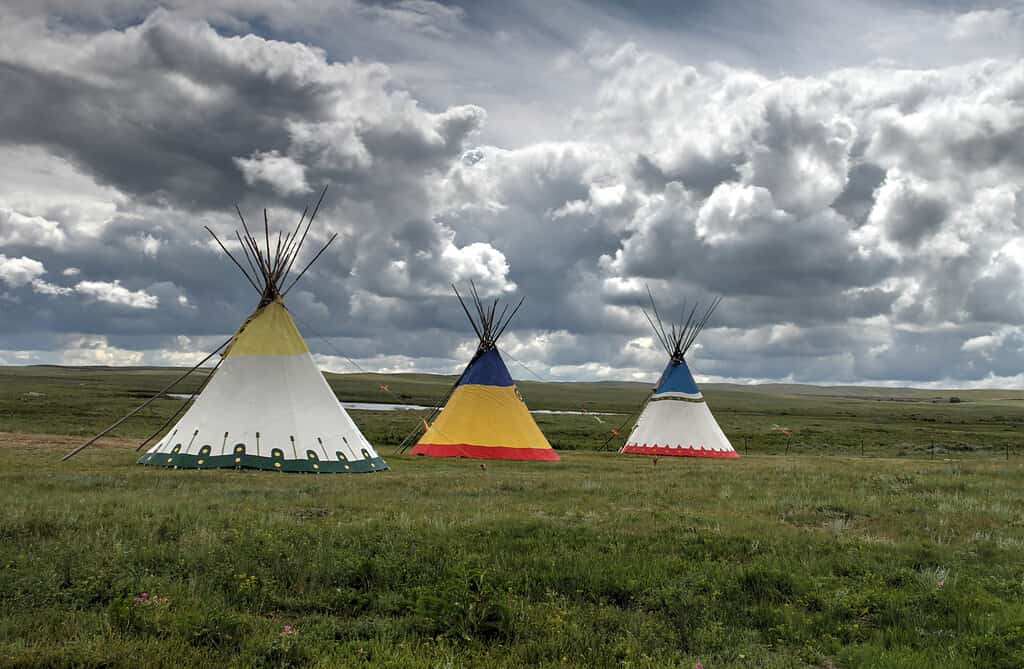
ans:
x=485 y=416
x=266 y=405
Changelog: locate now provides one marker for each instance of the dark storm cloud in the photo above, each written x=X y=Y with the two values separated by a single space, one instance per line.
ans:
x=858 y=197
x=698 y=173
x=915 y=218
x=146 y=151
x=167 y=108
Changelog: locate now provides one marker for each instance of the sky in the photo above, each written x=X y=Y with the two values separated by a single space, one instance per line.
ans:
x=847 y=176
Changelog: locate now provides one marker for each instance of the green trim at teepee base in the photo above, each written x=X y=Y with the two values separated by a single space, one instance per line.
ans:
x=242 y=461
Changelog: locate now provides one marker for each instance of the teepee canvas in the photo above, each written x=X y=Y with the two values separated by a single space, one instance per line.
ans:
x=676 y=420
x=485 y=416
x=266 y=404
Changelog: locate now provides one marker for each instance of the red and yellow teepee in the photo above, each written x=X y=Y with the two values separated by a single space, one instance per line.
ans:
x=485 y=417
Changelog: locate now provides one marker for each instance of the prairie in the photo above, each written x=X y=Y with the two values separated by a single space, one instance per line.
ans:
x=909 y=556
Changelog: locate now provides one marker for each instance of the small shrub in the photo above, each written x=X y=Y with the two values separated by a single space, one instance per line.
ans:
x=215 y=629
x=143 y=614
x=765 y=585
x=283 y=651
x=464 y=610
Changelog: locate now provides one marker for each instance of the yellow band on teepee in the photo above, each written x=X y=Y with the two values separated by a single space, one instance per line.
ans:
x=268 y=331
x=486 y=416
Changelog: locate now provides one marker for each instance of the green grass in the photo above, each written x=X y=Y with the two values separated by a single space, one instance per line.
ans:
x=600 y=560
x=597 y=561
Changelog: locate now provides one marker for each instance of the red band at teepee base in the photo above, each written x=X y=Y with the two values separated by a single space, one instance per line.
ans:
x=686 y=451
x=490 y=452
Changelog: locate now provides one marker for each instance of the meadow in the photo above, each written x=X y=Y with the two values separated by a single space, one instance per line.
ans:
x=911 y=555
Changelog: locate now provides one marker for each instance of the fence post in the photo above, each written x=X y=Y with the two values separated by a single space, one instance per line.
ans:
x=1007 y=450
x=933 y=450
x=862 y=446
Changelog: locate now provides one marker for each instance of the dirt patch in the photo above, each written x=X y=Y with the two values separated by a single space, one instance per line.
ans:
x=57 y=441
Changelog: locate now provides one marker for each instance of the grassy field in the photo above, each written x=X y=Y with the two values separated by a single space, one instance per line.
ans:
x=601 y=560
x=822 y=421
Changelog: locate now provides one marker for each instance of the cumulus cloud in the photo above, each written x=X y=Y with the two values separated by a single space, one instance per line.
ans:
x=198 y=116
x=97 y=350
x=114 y=293
x=861 y=216
x=731 y=207
x=21 y=271
x=282 y=173
x=477 y=262
x=47 y=288
x=985 y=343
x=148 y=244
x=17 y=229
x=987 y=24
x=25 y=271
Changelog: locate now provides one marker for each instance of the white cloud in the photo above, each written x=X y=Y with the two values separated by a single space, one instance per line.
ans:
x=25 y=271
x=987 y=24
x=18 y=229
x=115 y=293
x=61 y=193
x=47 y=288
x=16 y=272
x=286 y=176
x=478 y=262
x=148 y=244
x=96 y=350
x=731 y=208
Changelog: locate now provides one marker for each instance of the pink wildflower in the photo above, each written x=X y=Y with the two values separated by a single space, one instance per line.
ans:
x=144 y=595
x=698 y=666
x=288 y=629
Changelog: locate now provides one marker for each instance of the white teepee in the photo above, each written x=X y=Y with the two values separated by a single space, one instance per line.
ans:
x=268 y=406
x=265 y=405
x=676 y=420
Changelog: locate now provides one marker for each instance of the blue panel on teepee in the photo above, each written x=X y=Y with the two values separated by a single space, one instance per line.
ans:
x=488 y=369
x=677 y=379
